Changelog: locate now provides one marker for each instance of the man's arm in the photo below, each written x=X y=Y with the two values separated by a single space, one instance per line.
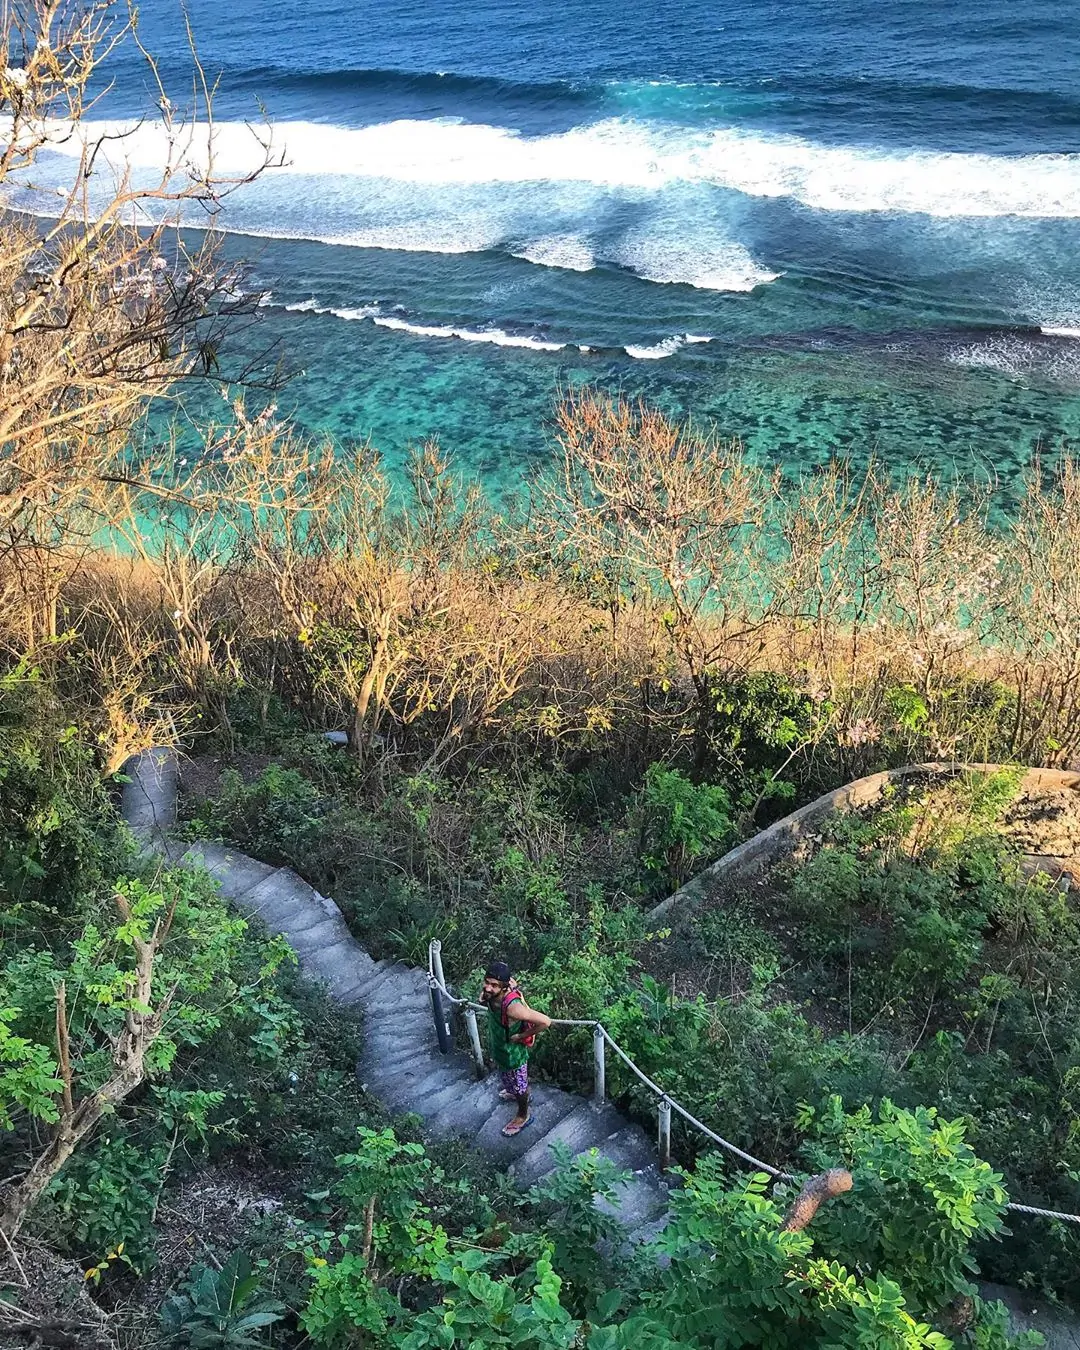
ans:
x=519 y=1011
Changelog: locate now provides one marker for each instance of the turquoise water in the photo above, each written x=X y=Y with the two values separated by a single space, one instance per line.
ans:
x=824 y=227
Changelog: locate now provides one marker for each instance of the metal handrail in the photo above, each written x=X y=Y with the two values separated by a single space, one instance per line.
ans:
x=601 y=1035
x=667 y=1103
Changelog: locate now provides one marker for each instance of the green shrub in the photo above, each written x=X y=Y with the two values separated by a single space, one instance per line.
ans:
x=921 y=1198
x=682 y=822
x=222 y=1309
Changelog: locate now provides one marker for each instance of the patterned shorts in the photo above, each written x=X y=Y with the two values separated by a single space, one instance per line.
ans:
x=515 y=1080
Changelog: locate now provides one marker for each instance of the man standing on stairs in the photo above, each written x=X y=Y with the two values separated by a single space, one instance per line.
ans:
x=512 y=1028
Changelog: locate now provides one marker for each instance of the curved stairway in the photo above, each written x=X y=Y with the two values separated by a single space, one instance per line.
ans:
x=401 y=1063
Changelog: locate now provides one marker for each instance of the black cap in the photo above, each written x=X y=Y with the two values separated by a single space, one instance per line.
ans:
x=498 y=970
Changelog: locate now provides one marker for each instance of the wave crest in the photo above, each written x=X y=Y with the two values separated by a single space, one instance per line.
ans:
x=568 y=251
x=629 y=154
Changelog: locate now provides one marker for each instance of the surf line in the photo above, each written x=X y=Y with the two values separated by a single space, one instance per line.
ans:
x=498 y=337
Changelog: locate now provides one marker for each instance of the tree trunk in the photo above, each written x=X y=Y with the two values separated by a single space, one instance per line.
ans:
x=823 y=1187
x=141 y=1030
x=18 y=1200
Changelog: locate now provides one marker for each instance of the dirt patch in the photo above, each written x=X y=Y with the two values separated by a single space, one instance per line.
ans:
x=201 y=1223
x=44 y=1301
x=1046 y=823
x=200 y=777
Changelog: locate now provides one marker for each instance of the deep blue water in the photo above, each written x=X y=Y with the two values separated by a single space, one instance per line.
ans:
x=828 y=226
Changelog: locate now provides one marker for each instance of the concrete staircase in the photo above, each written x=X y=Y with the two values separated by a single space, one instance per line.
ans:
x=401 y=1062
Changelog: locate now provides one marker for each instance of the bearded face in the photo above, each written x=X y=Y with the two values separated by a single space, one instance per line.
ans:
x=493 y=990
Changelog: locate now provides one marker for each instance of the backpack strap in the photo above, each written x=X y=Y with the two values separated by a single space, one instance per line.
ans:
x=510 y=996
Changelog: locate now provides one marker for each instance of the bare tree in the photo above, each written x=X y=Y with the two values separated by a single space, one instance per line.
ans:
x=669 y=516
x=1040 y=564
x=102 y=304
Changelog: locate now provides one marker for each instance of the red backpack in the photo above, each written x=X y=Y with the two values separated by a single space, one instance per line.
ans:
x=512 y=993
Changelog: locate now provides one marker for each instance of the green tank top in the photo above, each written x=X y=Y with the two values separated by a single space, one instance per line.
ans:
x=505 y=1053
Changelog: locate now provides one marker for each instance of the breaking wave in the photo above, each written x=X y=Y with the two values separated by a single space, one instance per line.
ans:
x=630 y=154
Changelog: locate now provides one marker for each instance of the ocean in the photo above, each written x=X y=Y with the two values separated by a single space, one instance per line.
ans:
x=825 y=227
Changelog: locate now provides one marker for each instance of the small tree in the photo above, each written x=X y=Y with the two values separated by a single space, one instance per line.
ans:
x=144 y=986
x=669 y=518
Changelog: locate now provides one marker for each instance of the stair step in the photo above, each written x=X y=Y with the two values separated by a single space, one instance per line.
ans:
x=399 y=1082
x=471 y=1108
x=587 y=1126
x=343 y=983
x=337 y=954
x=235 y=873
x=414 y=1093
x=326 y=932
x=336 y=957
x=413 y=984
x=148 y=798
x=388 y=1061
x=453 y=1093
x=648 y=1232
x=643 y=1196
x=381 y=972
x=279 y=904
x=410 y=1012
x=547 y=1106
x=391 y=1042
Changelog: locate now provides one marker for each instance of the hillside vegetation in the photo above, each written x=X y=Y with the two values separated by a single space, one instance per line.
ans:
x=553 y=719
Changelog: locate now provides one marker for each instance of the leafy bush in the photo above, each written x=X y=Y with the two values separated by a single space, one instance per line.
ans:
x=681 y=823
x=58 y=832
x=222 y=1309
x=921 y=1198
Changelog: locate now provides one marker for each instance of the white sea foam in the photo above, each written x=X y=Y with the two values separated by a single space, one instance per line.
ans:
x=405 y=236
x=1005 y=353
x=657 y=253
x=568 y=251
x=666 y=347
x=1024 y=359
x=498 y=336
x=1060 y=332
x=626 y=153
x=312 y=306
x=494 y=335
x=426 y=236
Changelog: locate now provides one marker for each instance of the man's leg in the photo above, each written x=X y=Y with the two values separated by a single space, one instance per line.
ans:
x=521 y=1092
x=516 y=1081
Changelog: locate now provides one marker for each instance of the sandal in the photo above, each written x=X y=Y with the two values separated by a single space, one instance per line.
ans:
x=514 y=1128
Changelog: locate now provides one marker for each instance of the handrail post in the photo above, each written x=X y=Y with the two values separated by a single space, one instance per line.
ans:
x=663 y=1133
x=442 y=1021
x=436 y=961
x=599 y=1074
x=474 y=1041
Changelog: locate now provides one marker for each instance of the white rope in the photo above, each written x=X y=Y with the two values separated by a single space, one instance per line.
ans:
x=1043 y=1213
x=693 y=1120
x=682 y=1111
x=653 y=1087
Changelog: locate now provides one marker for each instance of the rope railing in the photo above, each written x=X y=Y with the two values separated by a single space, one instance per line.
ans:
x=441 y=995
x=601 y=1038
